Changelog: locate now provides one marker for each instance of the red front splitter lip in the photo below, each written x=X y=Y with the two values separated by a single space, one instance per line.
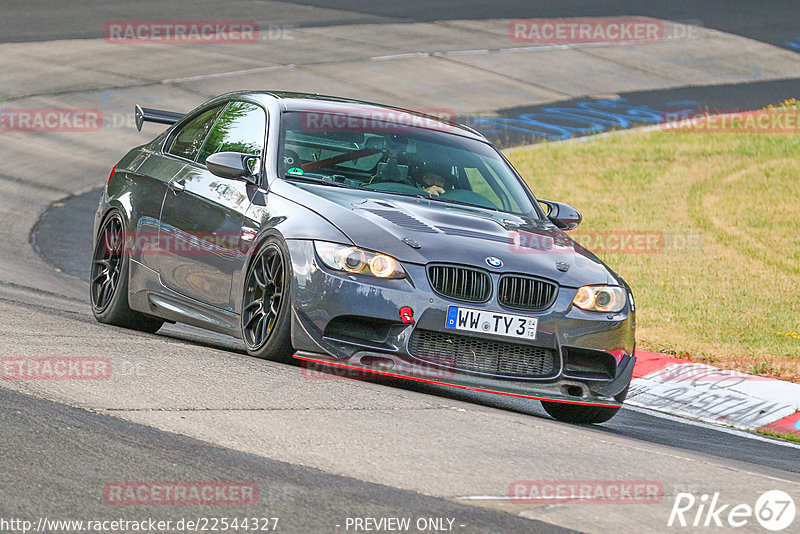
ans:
x=322 y=360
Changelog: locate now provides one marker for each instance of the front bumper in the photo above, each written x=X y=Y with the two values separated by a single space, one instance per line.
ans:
x=323 y=299
x=562 y=390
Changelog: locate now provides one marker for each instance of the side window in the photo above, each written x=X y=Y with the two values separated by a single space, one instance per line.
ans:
x=191 y=135
x=240 y=128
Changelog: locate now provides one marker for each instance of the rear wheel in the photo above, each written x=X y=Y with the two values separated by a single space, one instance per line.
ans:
x=108 y=288
x=266 y=328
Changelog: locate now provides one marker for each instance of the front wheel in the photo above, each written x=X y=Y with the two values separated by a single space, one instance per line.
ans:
x=108 y=287
x=578 y=413
x=581 y=414
x=266 y=303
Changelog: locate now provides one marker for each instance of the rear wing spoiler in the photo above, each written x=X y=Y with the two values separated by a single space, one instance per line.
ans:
x=155 y=115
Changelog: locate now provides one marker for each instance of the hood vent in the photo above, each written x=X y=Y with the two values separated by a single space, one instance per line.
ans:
x=402 y=219
x=464 y=232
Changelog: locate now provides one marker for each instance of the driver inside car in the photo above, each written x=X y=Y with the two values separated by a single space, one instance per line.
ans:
x=431 y=183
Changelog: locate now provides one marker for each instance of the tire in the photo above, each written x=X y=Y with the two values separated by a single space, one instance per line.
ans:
x=108 y=284
x=266 y=303
x=577 y=413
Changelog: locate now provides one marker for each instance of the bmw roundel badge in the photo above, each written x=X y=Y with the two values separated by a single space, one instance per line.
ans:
x=491 y=261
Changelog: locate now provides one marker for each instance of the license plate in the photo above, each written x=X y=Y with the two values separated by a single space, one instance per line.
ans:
x=488 y=322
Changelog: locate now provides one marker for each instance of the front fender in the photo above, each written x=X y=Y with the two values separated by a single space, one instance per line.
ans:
x=270 y=214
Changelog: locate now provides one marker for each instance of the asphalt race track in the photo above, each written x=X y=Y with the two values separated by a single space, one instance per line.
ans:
x=109 y=449
x=188 y=405
x=773 y=23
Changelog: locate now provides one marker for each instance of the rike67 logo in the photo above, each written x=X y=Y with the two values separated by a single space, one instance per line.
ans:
x=774 y=510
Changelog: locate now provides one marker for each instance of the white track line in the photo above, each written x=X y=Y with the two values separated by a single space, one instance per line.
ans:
x=407 y=55
x=227 y=74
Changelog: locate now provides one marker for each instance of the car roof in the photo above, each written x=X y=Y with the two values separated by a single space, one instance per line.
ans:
x=293 y=101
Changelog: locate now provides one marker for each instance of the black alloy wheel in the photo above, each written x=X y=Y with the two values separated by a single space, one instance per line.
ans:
x=108 y=285
x=265 y=303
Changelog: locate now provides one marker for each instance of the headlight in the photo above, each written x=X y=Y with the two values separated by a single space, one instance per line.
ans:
x=357 y=260
x=610 y=299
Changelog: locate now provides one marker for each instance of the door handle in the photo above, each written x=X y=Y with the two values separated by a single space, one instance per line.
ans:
x=176 y=186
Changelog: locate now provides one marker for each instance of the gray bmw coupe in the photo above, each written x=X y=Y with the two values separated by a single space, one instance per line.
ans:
x=353 y=235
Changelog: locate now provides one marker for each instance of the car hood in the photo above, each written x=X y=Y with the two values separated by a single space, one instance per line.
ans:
x=420 y=231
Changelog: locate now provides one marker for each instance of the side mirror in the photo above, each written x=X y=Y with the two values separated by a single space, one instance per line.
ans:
x=234 y=165
x=562 y=215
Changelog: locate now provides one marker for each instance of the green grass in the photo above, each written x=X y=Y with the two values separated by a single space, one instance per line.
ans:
x=786 y=436
x=731 y=296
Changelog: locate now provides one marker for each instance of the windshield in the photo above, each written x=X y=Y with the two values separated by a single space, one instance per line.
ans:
x=397 y=158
